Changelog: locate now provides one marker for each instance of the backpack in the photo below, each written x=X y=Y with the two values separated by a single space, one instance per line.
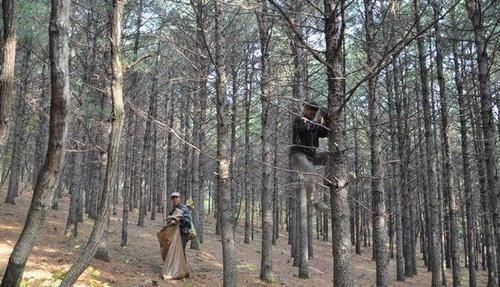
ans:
x=192 y=232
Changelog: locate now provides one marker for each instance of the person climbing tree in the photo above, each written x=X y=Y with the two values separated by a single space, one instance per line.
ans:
x=306 y=133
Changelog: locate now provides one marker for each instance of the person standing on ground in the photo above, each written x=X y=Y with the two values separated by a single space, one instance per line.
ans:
x=306 y=133
x=185 y=219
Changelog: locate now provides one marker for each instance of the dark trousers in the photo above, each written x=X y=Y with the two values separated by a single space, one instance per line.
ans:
x=184 y=241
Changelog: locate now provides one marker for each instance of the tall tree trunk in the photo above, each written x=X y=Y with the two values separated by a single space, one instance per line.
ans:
x=469 y=197
x=337 y=173
x=223 y=160
x=476 y=15
x=266 y=196
x=202 y=143
x=275 y=194
x=7 y=88
x=145 y=162
x=248 y=101
x=397 y=150
x=435 y=258
x=232 y=150
x=117 y=120
x=154 y=175
x=448 y=190
x=486 y=228
x=379 y=214
x=48 y=177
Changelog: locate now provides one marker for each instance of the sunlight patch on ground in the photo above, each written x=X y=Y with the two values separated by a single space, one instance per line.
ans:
x=316 y=270
x=9 y=227
x=5 y=249
x=210 y=257
x=37 y=274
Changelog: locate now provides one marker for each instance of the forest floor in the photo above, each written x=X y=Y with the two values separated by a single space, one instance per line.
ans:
x=140 y=263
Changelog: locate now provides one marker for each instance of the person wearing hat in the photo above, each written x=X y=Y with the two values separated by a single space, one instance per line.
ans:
x=305 y=140
x=185 y=219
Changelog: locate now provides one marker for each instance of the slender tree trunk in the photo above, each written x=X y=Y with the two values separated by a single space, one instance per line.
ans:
x=145 y=161
x=397 y=147
x=248 y=101
x=486 y=228
x=476 y=15
x=379 y=214
x=337 y=173
x=223 y=160
x=113 y=149
x=266 y=196
x=469 y=197
x=302 y=232
x=48 y=177
x=72 y=221
x=357 y=192
x=448 y=190
x=275 y=194
x=435 y=258
x=232 y=150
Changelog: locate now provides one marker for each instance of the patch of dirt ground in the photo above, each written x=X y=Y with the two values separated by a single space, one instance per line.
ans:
x=140 y=263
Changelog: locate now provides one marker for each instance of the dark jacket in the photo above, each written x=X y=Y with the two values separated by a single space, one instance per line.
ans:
x=186 y=218
x=306 y=134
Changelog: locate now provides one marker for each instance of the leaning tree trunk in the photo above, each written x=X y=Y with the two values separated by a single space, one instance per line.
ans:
x=476 y=15
x=266 y=264
x=223 y=160
x=8 y=66
x=337 y=173
x=49 y=175
x=113 y=148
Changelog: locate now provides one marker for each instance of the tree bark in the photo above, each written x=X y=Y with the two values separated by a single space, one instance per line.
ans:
x=266 y=196
x=72 y=221
x=337 y=172
x=248 y=101
x=378 y=198
x=48 y=177
x=223 y=160
x=7 y=88
x=397 y=139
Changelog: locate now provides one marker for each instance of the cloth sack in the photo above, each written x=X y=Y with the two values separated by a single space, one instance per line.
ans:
x=174 y=260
